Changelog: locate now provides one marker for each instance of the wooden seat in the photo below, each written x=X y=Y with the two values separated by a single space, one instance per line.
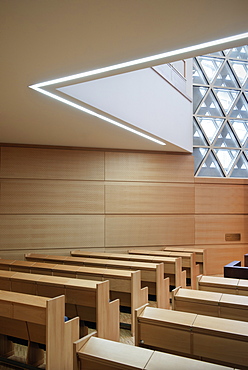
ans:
x=202 y=337
x=38 y=319
x=96 y=353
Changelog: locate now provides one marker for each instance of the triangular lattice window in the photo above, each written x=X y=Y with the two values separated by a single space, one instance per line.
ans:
x=220 y=100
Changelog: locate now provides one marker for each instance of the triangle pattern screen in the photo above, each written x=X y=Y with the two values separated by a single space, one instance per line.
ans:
x=220 y=113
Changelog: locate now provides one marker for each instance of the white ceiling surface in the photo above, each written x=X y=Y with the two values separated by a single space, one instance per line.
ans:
x=44 y=40
x=144 y=100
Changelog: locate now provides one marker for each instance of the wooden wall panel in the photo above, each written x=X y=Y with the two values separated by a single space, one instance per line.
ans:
x=39 y=163
x=211 y=229
x=149 y=167
x=156 y=198
x=221 y=199
x=54 y=200
x=220 y=255
x=132 y=231
x=55 y=231
x=51 y=196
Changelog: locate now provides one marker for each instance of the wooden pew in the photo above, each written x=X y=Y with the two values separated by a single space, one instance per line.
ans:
x=188 y=261
x=87 y=299
x=212 y=339
x=228 y=306
x=124 y=285
x=39 y=320
x=222 y=285
x=92 y=352
x=201 y=256
x=235 y=270
x=172 y=265
x=152 y=274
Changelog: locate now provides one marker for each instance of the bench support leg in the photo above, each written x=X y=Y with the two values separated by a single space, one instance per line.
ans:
x=6 y=346
x=35 y=355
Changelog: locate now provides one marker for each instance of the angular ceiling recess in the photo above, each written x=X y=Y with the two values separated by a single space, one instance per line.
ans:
x=59 y=88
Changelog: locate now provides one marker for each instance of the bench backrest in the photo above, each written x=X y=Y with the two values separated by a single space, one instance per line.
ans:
x=93 y=352
x=147 y=268
x=84 y=298
x=124 y=285
x=152 y=274
x=212 y=338
x=222 y=284
x=40 y=319
x=216 y=304
x=188 y=261
x=201 y=256
x=172 y=265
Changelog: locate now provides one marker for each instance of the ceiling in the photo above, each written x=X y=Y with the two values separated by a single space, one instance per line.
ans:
x=46 y=39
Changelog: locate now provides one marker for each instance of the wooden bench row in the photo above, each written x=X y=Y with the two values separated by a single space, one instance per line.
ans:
x=222 y=285
x=201 y=256
x=172 y=265
x=189 y=263
x=228 y=306
x=212 y=339
x=124 y=285
x=87 y=299
x=147 y=266
x=38 y=320
x=92 y=352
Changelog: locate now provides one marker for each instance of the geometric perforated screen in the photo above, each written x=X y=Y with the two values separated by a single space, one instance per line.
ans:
x=220 y=113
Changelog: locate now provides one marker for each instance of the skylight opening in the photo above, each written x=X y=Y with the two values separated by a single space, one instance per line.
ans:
x=142 y=61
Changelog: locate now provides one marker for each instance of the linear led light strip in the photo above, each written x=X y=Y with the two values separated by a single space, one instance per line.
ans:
x=38 y=86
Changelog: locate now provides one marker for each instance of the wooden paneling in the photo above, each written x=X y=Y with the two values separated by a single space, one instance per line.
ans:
x=36 y=163
x=56 y=200
x=51 y=196
x=221 y=207
x=154 y=198
x=148 y=167
x=211 y=229
x=221 y=199
x=45 y=231
x=148 y=230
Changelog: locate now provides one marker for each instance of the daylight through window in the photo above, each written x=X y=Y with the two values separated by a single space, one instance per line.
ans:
x=220 y=113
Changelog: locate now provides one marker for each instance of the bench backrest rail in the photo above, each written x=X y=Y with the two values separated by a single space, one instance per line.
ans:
x=179 y=275
x=150 y=272
x=124 y=285
x=188 y=261
x=92 y=352
x=208 y=303
x=87 y=299
x=211 y=338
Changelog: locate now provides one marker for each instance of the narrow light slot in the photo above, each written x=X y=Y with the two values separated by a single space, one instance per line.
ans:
x=143 y=60
x=38 y=86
